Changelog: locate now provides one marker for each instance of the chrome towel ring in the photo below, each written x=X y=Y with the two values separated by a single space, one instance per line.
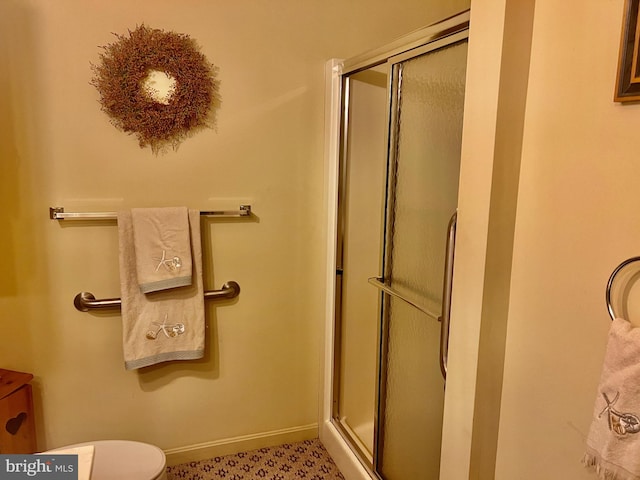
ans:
x=612 y=314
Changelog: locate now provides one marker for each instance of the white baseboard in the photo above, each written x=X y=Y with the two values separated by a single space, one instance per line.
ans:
x=228 y=446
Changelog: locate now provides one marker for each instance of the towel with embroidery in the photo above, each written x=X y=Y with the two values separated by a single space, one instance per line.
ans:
x=163 y=247
x=167 y=324
x=613 y=444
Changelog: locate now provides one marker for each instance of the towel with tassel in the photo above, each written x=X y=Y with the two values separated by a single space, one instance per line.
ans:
x=163 y=247
x=613 y=444
x=164 y=325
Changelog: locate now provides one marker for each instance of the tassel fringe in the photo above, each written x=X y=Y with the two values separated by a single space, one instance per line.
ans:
x=606 y=471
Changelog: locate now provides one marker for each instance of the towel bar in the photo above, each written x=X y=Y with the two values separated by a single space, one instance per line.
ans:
x=85 y=301
x=378 y=283
x=58 y=213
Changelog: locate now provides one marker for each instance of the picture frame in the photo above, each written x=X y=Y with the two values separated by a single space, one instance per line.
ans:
x=628 y=77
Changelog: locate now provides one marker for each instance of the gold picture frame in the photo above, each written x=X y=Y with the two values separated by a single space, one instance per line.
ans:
x=628 y=79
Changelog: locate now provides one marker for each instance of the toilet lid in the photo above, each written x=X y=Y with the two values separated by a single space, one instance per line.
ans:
x=124 y=459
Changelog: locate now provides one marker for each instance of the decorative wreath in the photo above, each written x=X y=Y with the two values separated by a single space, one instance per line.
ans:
x=122 y=78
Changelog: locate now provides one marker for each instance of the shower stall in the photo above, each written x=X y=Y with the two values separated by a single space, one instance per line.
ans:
x=396 y=140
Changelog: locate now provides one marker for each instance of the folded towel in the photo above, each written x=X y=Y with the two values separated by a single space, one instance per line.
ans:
x=613 y=444
x=163 y=247
x=165 y=325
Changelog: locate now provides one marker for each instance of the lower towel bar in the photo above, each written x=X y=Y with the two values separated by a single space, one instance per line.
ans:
x=85 y=301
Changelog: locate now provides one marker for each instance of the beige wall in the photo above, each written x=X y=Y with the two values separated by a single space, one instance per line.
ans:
x=58 y=148
x=572 y=220
x=570 y=151
x=577 y=219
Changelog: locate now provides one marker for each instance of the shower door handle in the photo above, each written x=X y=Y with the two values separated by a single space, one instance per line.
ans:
x=446 y=293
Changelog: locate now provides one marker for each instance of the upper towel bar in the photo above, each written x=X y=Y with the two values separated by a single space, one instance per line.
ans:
x=612 y=314
x=58 y=213
x=85 y=301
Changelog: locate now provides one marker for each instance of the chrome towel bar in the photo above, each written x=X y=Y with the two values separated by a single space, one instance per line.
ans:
x=58 y=213
x=612 y=314
x=378 y=283
x=85 y=301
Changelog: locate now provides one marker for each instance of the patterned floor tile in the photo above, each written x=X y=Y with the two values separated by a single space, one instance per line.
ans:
x=306 y=460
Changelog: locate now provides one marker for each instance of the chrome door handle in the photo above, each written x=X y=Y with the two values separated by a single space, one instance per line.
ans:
x=446 y=293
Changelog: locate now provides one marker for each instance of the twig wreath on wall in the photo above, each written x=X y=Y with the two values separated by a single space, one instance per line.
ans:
x=158 y=86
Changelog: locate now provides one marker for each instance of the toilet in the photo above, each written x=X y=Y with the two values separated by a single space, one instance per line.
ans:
x=125 y=460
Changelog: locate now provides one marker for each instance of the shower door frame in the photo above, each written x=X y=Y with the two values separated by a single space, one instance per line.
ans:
x=449 y=31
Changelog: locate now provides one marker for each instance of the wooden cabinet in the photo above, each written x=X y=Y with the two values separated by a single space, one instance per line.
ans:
x=17 y=425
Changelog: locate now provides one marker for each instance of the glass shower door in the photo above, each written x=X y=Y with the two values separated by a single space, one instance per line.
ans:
x=361 y=206
x=422 y=191
x=400 y=142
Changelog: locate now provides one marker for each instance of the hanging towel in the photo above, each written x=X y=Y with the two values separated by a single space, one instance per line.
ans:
x=163 y=247
x=164 y=325
x=613 y=444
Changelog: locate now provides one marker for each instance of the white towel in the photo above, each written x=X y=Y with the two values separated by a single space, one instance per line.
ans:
x=613 y=444
x=165 y=325
x=163 y=247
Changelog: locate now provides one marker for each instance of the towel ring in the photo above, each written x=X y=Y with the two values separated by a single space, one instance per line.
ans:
x=612 y=314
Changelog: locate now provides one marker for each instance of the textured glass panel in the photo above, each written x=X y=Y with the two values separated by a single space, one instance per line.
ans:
x=364 y=201
x=427 y=167
x=415 y=396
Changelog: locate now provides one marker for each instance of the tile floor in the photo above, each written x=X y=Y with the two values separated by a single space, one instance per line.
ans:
x=306 y=460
